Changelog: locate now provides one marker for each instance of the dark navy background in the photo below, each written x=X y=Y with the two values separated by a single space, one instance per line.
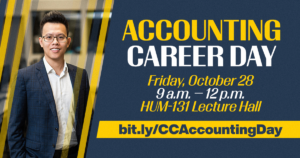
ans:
x=123 y=88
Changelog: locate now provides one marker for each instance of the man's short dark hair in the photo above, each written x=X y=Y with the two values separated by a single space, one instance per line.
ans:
x=54 y=17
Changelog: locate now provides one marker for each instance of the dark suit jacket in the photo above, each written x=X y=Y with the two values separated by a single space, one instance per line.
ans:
x=33 y=102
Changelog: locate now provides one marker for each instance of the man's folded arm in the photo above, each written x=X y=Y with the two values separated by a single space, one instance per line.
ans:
x=16 y=140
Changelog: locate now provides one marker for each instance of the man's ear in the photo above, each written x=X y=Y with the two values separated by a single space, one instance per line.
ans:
x=41 y=41
x=69 y=41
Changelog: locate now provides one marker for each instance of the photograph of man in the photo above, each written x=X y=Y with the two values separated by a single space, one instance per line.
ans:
x=44 y=98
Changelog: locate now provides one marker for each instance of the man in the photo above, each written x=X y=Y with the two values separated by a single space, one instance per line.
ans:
x=44 y=98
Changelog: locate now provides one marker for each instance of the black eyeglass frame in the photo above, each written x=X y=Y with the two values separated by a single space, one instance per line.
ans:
x=43 y=37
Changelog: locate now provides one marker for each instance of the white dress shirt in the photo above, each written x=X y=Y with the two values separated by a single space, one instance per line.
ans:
x=63 y=95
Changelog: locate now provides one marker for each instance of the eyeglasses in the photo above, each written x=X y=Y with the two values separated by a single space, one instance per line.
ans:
x=59 y=38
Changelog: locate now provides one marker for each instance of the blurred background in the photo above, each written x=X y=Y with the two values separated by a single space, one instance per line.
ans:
x=84 y=17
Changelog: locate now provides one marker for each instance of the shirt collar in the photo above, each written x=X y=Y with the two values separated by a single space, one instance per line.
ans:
x=49 y=68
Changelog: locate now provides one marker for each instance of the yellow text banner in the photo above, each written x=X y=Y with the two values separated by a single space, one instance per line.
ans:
x=198 y=129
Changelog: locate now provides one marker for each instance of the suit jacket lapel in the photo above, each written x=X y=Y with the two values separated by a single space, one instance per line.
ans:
x=72 y=74
x=45 y=85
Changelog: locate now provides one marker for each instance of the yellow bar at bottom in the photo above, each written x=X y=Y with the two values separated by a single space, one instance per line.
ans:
x=198 y=129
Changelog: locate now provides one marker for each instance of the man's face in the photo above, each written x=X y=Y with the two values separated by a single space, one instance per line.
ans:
x=54 y=50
